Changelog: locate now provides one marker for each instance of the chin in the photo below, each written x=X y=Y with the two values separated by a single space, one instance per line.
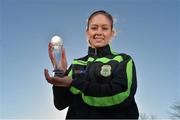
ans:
x=98 y=46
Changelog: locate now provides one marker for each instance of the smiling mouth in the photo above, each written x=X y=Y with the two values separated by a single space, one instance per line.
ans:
x=98 y=38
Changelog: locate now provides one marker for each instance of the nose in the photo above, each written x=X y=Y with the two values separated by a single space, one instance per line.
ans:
x=99 y=31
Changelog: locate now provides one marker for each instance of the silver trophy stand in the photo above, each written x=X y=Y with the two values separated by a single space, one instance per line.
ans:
x=58 y=73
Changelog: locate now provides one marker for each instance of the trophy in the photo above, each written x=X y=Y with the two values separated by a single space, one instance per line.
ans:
x=57 y=45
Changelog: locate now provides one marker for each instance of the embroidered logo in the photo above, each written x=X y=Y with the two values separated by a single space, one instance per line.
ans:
x=79 y=71
x=105 y=70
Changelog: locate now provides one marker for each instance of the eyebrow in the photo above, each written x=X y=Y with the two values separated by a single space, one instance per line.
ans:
x=98 y=25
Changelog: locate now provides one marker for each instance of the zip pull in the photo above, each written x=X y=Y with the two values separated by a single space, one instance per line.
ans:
x=95 y=52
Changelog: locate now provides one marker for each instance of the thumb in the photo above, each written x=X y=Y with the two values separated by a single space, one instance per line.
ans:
x=63 y=53
x=63 y=60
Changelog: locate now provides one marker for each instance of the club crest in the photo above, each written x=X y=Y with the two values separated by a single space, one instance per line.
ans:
x=105 y=70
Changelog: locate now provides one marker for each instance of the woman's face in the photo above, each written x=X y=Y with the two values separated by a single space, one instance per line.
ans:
x=99 y=31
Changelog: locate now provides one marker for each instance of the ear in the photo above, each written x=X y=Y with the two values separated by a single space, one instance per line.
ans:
x=86 y=32
x=113 y=32
x=87 y=38
x=87 y=35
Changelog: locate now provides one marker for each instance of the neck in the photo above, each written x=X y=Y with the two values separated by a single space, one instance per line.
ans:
x=100 y=51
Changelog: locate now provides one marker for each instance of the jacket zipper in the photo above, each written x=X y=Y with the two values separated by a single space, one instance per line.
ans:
x=87 y=68
x=95 y=54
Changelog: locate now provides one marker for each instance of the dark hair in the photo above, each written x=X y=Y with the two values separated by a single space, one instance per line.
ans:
x=109 y=16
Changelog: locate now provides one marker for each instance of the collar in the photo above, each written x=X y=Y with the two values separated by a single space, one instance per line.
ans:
x=99 y=52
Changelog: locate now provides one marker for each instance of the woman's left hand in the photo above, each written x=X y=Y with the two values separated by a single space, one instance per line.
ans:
x=57 y=81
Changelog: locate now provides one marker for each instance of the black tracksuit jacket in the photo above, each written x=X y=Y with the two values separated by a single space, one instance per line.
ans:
x=104 y=84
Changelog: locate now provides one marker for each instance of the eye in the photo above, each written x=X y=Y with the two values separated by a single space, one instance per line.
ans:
x=93 y=28
x=105 y=28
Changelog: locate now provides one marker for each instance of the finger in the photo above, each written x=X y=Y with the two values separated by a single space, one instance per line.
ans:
x=63 y=53
x=64 y=61
x=50 y=50
x=51 y=55
x=53 y=80
x=50 y=45
x=47 y=76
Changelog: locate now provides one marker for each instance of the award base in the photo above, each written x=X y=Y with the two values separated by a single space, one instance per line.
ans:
x=58 y=73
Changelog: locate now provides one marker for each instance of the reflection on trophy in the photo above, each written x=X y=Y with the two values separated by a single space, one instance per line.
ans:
x=57 y=45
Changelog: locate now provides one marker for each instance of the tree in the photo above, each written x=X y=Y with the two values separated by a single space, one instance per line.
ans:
x=175 y=110
x=144 y=116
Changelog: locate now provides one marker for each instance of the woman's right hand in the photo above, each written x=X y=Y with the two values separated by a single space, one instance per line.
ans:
x=58 y=81
x=63 y=63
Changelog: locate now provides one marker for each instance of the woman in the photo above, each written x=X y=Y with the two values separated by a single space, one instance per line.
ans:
x=103 y=83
